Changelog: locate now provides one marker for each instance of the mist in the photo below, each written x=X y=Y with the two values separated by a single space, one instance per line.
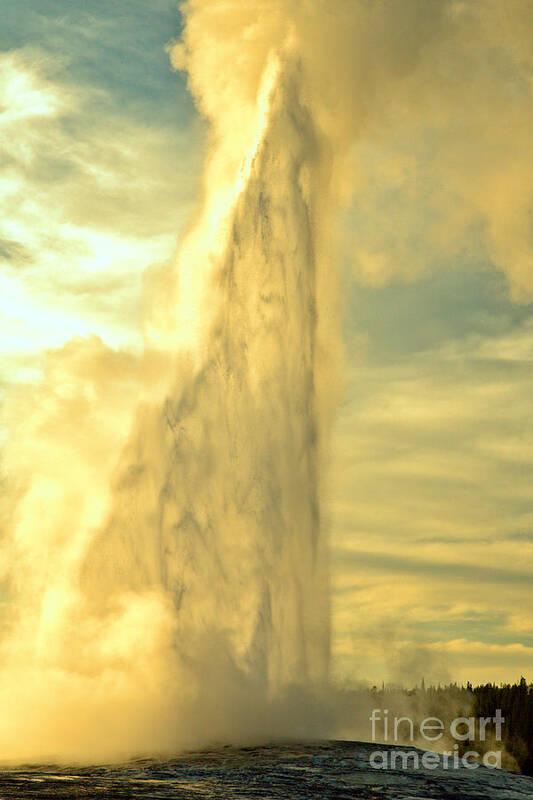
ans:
x=164 y=555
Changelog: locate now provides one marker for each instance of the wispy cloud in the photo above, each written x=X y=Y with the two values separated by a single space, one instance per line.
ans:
x=84 y=192
x=430 y=504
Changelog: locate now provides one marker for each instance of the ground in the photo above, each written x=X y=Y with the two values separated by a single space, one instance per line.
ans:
x=320 y=770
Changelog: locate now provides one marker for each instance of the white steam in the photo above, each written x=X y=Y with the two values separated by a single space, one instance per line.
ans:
x=164 y=560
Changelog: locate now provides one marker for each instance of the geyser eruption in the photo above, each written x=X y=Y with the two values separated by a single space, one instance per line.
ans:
x=216 y=504
x=179 y=597
x=194 y=609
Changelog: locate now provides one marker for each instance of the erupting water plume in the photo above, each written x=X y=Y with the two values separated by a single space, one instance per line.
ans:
x=213 y=539
x=216 y=502
x=182 y=596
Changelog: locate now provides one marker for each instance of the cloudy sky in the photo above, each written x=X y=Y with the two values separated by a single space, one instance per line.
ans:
x=429 y=492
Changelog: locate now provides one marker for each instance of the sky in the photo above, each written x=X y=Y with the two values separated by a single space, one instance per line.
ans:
x=428 y=497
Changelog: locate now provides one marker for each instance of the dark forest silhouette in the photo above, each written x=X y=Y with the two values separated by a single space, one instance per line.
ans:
x=446 y=702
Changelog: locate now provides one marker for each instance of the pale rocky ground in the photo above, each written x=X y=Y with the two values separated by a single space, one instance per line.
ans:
x=321 y=770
